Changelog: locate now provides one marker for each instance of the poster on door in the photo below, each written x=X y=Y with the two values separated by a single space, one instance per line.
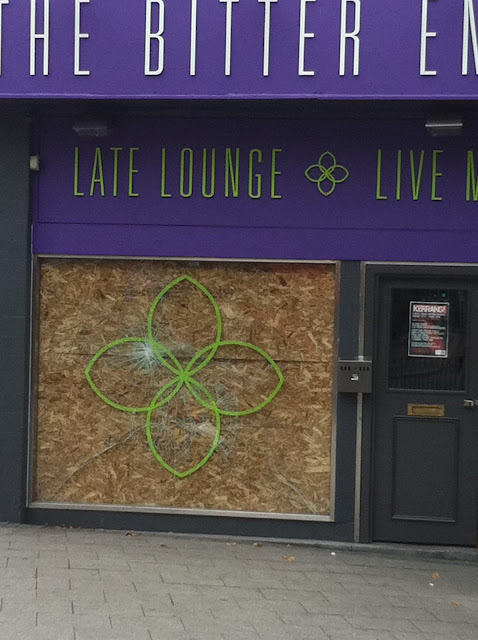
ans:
x=428 y=329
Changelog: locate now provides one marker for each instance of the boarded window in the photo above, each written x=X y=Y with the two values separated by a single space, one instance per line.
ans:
x=185 y=406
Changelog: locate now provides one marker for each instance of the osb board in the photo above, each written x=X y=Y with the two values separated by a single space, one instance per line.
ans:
x=275 y=460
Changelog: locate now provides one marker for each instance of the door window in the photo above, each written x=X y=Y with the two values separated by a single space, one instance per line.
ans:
x=427 y=339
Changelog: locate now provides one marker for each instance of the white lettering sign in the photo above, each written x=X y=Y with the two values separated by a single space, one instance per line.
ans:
x=469 y=25
x=227 y=52
x=194 y=26
x=352 y=35
x=79 y=37
x=423 y=43
x=267 y=35
x=42 y=35
x=303 y=35
x=154 y=35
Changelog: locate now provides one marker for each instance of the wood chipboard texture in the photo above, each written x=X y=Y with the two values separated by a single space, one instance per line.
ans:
x=277 y=460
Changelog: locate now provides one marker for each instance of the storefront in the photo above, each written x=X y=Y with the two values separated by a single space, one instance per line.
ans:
x=249 y=304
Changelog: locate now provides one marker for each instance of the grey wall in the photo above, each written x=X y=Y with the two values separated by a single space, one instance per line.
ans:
x=14 y=311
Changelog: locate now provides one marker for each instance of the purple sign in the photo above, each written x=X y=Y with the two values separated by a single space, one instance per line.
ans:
x=239 y=48
x=283 y=189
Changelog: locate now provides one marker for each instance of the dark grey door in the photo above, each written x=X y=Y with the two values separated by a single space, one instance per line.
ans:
x=425 y=422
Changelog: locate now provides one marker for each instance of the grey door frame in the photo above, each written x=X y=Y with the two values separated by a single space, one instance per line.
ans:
x=372 y=275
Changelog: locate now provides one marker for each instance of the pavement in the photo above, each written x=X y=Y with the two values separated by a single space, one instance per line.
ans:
x=74 y=584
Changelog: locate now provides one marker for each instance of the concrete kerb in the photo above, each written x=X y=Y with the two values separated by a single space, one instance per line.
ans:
x=423 y=552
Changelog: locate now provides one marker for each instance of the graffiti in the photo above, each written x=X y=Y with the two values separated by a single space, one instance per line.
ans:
x=213 y=401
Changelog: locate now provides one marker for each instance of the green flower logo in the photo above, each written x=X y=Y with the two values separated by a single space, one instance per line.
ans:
x=182 y=376
x=327 y=171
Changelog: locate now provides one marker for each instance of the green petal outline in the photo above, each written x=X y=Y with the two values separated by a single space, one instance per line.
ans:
x=190 y=382
x=101 y=395
x=308 y=173
x=162 y=462
x=218 y=321
x=326 y=192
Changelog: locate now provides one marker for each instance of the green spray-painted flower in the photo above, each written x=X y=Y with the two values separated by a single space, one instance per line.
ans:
x=183 y=376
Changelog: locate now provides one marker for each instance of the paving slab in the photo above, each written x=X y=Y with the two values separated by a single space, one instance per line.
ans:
x=67 y=584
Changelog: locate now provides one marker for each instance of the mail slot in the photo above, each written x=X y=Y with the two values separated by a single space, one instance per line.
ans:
x=354 y=376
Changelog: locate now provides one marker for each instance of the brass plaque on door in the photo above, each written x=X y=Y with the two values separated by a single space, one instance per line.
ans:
x=427 y=410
